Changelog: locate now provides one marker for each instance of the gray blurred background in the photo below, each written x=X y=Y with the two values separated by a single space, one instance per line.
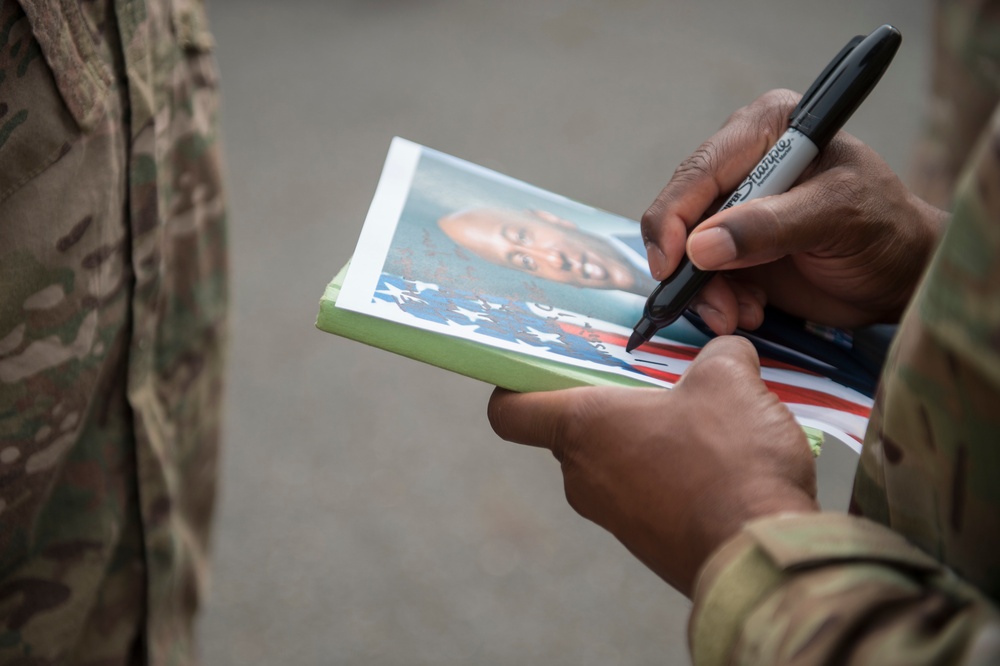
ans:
x=368 y=513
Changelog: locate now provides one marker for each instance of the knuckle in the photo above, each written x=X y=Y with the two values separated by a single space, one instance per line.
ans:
x=720 y=367
x=758 y=229
x=652 y=219
x=697 y=165
x=844 y=189
x=844 y=149
x=772 y=228
x=729 y=357
x=782 y=99
x=574 y=426
x=764 y=119
x=574 y=422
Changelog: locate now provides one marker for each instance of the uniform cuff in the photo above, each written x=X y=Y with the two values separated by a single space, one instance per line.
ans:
x=749 y=567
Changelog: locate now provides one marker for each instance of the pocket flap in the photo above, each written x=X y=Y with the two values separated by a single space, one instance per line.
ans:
x=82 y=77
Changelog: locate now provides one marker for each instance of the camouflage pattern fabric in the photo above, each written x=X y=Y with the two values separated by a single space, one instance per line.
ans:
x=914 y=576
x=112 y=327
x=965 y=88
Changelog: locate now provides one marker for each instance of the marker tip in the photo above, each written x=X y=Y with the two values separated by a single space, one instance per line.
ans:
x=634 y=341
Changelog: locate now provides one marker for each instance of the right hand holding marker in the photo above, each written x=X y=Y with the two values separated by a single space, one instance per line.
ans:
x=844 y=247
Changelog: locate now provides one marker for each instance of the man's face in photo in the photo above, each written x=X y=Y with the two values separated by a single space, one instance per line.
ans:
x=543 y=244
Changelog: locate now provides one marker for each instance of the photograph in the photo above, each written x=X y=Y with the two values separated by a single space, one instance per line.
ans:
x=460 y=250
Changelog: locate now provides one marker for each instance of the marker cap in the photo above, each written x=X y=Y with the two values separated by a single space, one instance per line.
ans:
x=846 y=86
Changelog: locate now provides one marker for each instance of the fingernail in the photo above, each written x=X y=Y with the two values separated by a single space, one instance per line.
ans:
x=712 y=248
x=749 y=316
x=714 y=319
x=657 y=261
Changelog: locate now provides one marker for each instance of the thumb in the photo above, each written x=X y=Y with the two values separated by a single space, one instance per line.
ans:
x=558 y=420
x=724 y=361
x=534 y=419
x=765 y=230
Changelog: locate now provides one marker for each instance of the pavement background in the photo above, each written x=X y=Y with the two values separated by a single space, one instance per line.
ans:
x=368 y=513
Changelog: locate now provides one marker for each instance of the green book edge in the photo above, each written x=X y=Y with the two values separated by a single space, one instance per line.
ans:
x=500 y=367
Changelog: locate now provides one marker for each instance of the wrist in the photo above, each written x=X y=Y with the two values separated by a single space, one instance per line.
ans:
x=721 y=510
x=930 y=225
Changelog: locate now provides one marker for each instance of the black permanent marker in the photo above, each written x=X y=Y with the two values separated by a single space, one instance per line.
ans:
x=823 y=110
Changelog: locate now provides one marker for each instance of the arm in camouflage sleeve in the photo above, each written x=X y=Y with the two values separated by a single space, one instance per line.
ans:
x=840 y=589
x=836 y=589
x=965 y=87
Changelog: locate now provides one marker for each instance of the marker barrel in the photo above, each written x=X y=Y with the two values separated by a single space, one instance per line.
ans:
x=777 y=171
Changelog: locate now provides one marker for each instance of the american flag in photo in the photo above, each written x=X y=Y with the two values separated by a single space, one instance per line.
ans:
x=542 y=330
x=524 y=325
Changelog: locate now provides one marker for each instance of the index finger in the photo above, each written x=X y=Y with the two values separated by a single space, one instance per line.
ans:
x=709 y=174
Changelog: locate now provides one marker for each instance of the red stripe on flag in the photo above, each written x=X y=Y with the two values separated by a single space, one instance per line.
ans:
x=785 y=392
x=658 y=348
x=806 y=396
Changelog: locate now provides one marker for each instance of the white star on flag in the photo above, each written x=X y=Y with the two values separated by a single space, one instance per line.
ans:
x=398 y=294
x=421 y=287
x=473 y=316
x=544 y=337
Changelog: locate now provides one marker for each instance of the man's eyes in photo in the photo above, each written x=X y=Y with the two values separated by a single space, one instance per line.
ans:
x=522 y=261
x=517 y=235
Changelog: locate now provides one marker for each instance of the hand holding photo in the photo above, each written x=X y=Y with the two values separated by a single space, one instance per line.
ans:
x=499 y=280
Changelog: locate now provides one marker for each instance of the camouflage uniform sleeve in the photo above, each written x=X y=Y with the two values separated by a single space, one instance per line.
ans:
x=807 y=589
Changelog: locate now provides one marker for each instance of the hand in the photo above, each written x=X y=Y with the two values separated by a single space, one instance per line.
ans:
x=844 y=247
x=672 y=474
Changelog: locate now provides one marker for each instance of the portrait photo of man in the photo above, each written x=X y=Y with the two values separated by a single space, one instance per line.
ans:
x=546 y=245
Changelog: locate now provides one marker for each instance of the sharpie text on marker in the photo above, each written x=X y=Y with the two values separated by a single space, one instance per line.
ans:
x=762 y=172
